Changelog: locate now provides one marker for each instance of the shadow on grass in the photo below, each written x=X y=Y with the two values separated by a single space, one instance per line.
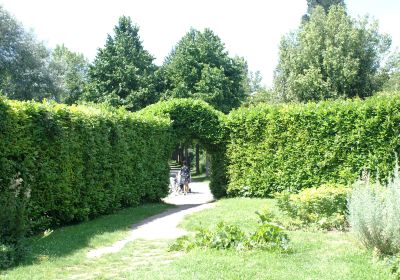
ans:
x=67 y=240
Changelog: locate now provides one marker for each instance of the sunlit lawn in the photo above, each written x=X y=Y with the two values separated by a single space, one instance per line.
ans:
x=316 y=255
x=64 y=250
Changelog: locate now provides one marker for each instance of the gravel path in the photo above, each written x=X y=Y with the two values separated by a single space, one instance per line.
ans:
x=164 y=225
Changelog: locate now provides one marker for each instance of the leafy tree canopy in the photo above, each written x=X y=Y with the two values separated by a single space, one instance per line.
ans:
x=325 y=4
x=392 y=72
x=24 y=72
x=199 y=67
x=123 y=71
x=70 y=72
x=330 y=56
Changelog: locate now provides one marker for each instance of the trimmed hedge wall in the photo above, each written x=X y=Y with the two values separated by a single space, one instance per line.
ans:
x=73 y=163
x=196 y=120
x=290 y=147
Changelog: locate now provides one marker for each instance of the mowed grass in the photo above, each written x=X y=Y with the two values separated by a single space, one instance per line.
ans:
x=50 y=255
x=315 y=255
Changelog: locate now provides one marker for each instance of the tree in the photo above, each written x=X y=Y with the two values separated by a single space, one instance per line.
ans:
x=263 y=95
x=199 y=67
x=254 y=82
x=123 y=71
x=325 y=4
x=70 y=72
x=330 y=56
x=24 y=72
x=392 y=72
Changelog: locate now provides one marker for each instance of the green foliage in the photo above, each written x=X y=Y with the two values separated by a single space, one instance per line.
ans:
x=267 y=236
x=330 y=56
x=326 y=4
x=323 y=207
x=79 y=162
x=394 y=265
x=374 y=215
x=290 y=147
x=199 y=67
x=24 y=72
x=392 y=72
x=123 y=73
x=263 y=95
x=224 y=237
x=197 y=120
x=13 y=222
x=70 y=72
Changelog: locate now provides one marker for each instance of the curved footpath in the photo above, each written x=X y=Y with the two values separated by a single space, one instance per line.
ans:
x=164 y=225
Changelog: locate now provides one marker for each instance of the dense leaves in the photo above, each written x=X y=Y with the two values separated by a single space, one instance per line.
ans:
x=291 y=147
x=69 y=70
x=323 y=207
x=74 y=163
x=267 y=236
x=199 y=67
x=24 y=73
x=325 y=4
x=391 y=72
x=330 y=56
x=197 y=120
x=123 y=71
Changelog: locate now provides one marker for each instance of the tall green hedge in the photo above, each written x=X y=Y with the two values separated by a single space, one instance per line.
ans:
x=72 y=163
x=196 y=120
x=290 y=147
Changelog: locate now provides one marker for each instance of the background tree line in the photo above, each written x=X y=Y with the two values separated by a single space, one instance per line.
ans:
x=330 y=55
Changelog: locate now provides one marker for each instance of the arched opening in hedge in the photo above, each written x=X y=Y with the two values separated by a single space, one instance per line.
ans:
x=196 y=120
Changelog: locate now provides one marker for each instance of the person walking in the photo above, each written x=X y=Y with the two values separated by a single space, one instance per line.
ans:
x=185 y=177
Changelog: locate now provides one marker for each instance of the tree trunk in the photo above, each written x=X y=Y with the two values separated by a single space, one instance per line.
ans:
x=187 y=155
x=180 y=154
x=197 y=159
x=207 y=165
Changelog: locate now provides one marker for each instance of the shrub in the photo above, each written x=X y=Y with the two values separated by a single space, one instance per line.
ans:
x=392 y=263
x=272 y=148
x=13 y=223
x=323 y=207
x=267 y=236
x=374 y=215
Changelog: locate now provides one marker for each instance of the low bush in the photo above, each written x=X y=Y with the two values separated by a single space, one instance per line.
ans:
x=374 y=215
x=323 y=207
x=268 y=236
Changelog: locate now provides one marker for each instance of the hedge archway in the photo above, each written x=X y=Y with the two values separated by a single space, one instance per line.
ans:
x=196 y=120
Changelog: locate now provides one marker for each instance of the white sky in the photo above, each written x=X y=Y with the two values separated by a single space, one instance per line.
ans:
x=249 y=28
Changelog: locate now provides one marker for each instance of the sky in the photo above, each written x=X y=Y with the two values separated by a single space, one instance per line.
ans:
x=249 y=28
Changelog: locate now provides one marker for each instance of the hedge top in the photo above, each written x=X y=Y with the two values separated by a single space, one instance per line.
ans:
x=191 y=119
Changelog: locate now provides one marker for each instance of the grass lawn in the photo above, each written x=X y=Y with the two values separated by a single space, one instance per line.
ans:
x=316 y=255
x=50 y=256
